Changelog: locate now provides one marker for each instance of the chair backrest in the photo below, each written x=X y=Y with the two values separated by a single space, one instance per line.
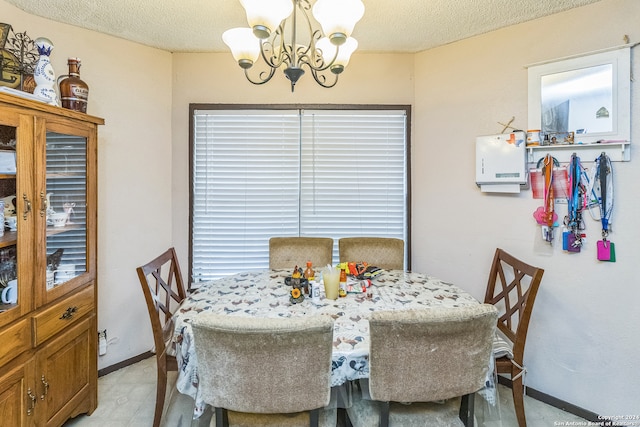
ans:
x=512 y=288
x=164 y=290
x=287 y=252
x=430 y=354
x=267 y=366
x=383 y=252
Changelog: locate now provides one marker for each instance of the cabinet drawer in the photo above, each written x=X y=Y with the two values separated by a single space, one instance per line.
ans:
x=14 y=340
x=62 y=315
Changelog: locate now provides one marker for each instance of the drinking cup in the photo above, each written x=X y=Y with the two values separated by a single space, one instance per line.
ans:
x=11 y=222
x=50 y=279
x=10 y=292
x=58 y=219
x=65 y=272
x=331 y=280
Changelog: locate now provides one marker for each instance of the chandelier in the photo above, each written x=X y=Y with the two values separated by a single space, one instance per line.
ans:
x=325 y=54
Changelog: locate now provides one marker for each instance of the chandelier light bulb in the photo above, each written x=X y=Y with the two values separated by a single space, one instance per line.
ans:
x=265 y=16
x=244 y=45
x=338 y=18
x=344 y=53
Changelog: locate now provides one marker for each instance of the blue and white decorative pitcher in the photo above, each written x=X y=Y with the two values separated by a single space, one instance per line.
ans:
x=43 y=74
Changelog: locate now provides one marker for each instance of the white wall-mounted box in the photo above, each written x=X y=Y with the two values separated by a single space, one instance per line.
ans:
x=501 y=162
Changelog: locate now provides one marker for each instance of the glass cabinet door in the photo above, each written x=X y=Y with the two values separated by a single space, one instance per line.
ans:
x=10 y=289
x=65 y=201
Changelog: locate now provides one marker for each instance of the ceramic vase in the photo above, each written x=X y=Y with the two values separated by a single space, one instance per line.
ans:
x=43 y=73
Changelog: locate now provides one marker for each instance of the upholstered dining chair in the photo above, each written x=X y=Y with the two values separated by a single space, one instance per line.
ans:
x=287 y=252
x=512 y=288
x=421 y=358
x=383 y=252
x=163 y=290
x=262 y=371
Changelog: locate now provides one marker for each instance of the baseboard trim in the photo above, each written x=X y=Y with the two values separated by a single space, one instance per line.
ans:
x=124 y=363
x=557 y=403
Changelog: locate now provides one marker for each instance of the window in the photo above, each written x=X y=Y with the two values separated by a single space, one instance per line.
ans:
x=278 y=171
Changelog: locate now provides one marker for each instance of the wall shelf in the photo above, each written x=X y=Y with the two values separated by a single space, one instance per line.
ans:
x=617 y=151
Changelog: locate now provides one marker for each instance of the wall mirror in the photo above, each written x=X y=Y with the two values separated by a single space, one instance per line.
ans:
x=586 y=94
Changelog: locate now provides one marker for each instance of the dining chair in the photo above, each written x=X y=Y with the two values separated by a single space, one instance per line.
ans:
x=163 y=290
x=383 y=252
x=425 y=366
x=512 y=288
x=287 y=252
x=263 y=371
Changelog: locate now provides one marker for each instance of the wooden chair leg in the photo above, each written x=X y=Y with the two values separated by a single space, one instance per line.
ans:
x=517 y=390
x=222 y=417
x=161 y=389
x=314 y=417
x=384 y=414
x=467 y=409
x=343 y=418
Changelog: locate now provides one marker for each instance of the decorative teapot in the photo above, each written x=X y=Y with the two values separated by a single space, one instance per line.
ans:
x=9 y=205
x=50 y=210
x=48 y=204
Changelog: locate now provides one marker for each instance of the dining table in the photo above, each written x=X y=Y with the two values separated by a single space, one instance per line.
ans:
x=264 y=293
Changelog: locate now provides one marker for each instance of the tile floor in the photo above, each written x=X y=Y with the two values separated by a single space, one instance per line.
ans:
x=126 y=398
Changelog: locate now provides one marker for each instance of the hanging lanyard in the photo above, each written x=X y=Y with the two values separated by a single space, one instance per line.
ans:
x=604 y=172
x=574 y=182
x=576 y=203
x=547 y=172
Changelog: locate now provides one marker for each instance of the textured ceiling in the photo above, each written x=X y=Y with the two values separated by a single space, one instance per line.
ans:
x=387 y=25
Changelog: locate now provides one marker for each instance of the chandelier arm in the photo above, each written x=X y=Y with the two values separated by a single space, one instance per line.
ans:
x=294 y=62
x=271 y=59
x=321 y=79
x=304 y=4
x=305 y=7
x=268 y=46
x=310 y=55
x=314 y=60
x=261 y=79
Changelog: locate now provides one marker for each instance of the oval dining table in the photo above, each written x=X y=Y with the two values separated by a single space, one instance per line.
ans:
x=265 y=294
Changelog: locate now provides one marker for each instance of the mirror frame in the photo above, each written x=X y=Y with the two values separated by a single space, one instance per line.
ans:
x=620 y=59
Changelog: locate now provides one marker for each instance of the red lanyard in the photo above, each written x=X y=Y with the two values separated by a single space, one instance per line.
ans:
x=547 y=172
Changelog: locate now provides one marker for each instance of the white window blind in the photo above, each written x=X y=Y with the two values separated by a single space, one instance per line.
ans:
x=67 y=183
x=264 y=173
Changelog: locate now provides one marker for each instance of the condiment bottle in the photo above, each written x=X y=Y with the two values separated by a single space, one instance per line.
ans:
x=74 y=93
x=343 y=283
x=309 y=274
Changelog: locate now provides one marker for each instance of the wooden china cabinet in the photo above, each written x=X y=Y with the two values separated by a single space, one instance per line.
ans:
x=48 y=328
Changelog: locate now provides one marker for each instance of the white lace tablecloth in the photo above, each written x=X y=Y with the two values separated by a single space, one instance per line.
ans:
x=264 y=294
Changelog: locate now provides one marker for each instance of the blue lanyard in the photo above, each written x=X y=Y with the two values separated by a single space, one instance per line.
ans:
x=574 y=190
x=604 y=173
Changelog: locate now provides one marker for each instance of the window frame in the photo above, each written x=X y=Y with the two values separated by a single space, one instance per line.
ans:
x=275 y=107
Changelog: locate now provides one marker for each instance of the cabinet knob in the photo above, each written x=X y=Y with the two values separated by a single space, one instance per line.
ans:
x=27 y=206
x=43 y=203
x=45 y=388
x=32 y=402
x=69 y=313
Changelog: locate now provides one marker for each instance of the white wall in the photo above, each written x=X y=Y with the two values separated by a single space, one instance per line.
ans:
x=130 y=87
x=583 y=340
